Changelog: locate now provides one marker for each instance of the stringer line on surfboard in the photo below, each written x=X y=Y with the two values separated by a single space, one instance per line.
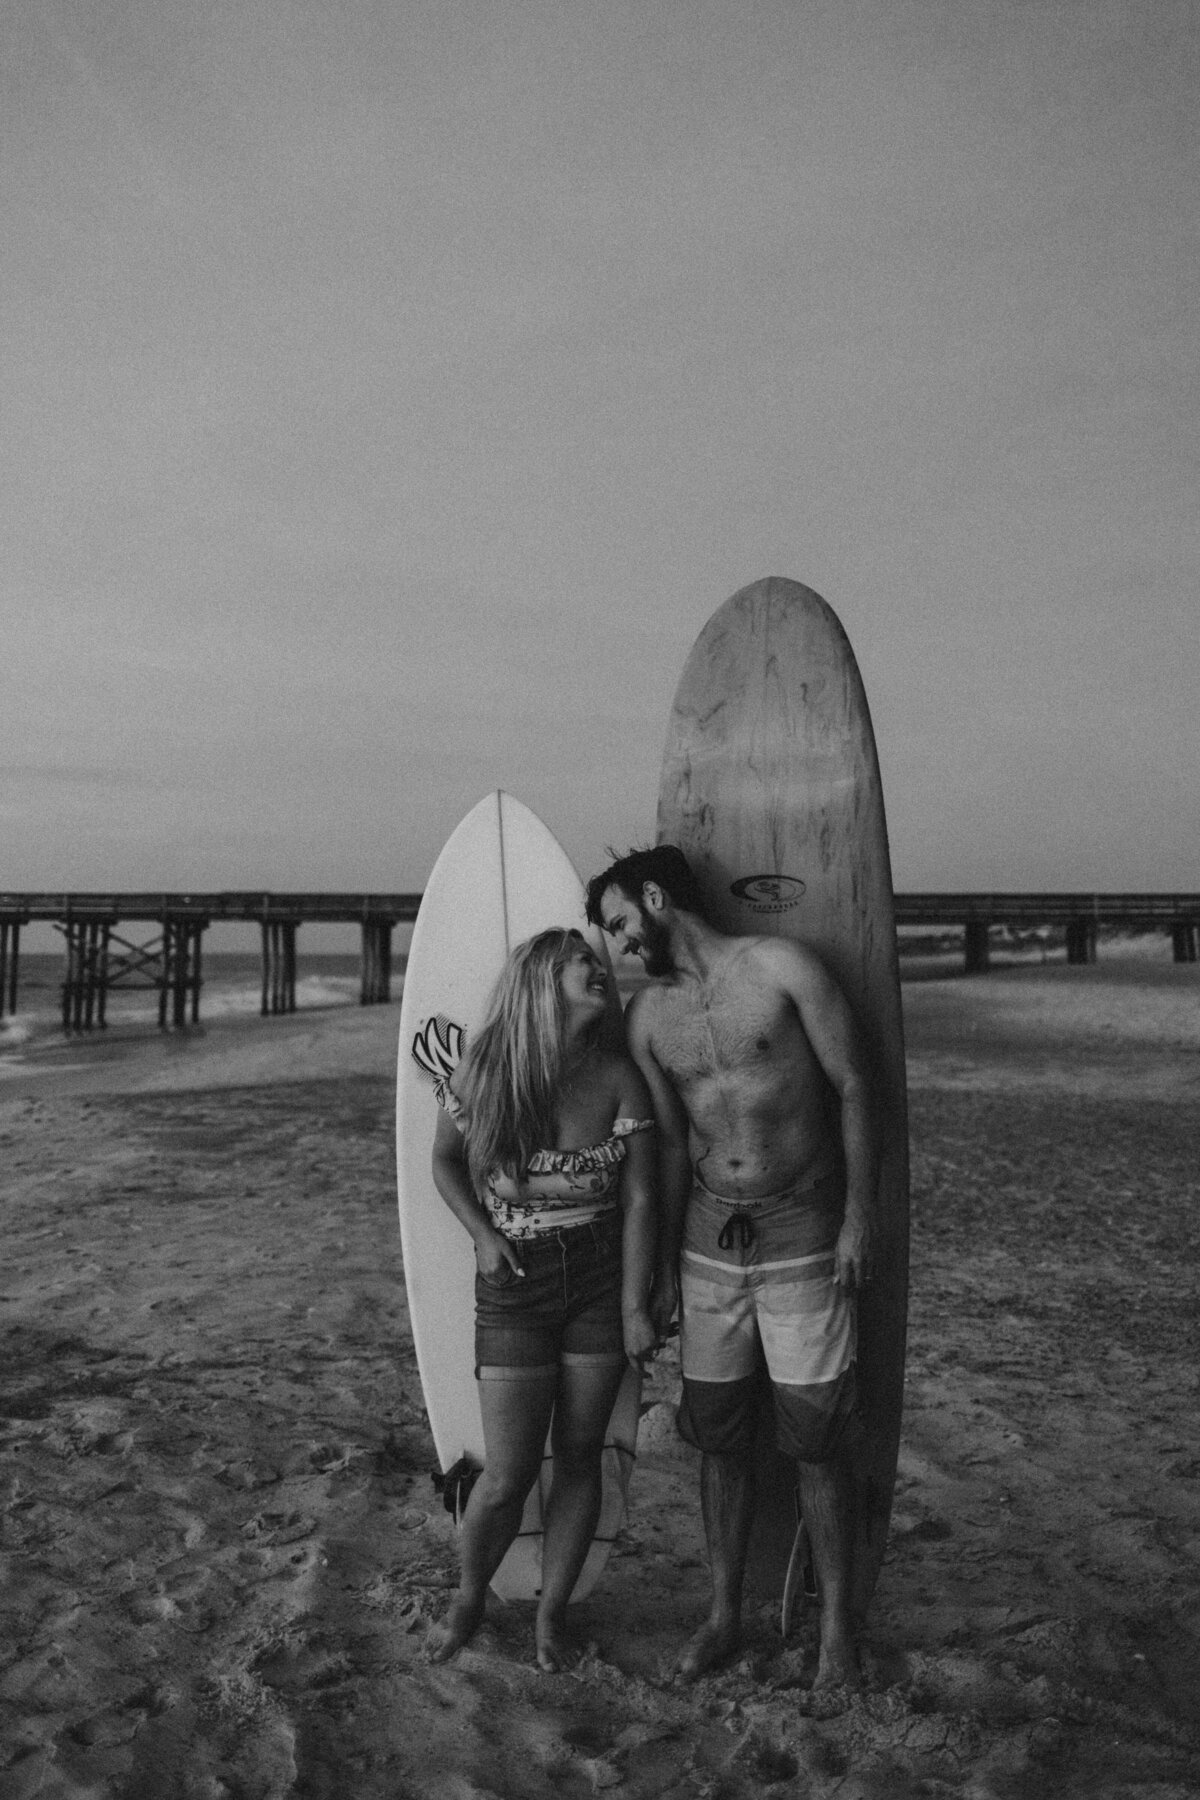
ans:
x=503 y=870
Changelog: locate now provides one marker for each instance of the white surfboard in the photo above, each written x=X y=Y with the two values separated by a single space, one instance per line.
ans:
x=501 y=876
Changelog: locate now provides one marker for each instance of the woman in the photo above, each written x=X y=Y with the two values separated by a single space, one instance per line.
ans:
x=545 y=1152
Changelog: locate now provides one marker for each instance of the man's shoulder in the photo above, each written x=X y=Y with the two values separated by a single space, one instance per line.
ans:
x=640 y=1005
x=782 y=954
x=645 y=1007
x=788 y=965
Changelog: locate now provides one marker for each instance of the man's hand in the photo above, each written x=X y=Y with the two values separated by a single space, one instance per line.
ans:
x=641 y=1339
x=852 y=1259
x=664 y=1302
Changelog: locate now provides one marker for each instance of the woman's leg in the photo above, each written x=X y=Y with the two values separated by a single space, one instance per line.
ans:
x=515 y=1405
x=586 y=1393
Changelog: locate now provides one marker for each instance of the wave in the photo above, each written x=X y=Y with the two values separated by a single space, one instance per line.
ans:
x=227 y=995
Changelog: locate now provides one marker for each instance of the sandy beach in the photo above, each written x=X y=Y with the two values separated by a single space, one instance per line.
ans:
x=221 y=1545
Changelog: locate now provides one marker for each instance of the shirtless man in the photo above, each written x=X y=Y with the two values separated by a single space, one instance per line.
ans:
x=769 y=1171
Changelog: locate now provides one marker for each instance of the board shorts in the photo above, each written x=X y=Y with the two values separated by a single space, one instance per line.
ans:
x=757 y=1287
x=566 y=1308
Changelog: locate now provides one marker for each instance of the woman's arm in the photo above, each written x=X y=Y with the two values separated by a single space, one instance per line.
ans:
x=452 y=1178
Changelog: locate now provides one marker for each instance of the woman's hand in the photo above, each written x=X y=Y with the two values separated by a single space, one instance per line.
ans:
x=641 y=1339
x=494 y=1254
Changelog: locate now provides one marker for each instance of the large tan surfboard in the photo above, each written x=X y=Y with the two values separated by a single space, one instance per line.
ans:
x=770 y=786
x=501 y=876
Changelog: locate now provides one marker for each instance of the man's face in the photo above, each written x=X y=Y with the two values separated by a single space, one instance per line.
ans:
x=637 y=931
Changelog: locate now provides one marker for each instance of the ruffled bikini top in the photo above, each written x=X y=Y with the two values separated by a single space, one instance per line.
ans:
x=560 y=1188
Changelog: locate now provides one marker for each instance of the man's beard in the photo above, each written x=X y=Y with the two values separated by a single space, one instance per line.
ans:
x=656 y=947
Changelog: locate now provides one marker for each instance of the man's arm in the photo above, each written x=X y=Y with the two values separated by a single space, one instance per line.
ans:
x=639 y=1185
x=674 y=1162
x=839 y=1047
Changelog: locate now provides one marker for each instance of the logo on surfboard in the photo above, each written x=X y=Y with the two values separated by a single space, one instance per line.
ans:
x=436 y=1050
x=768 y=893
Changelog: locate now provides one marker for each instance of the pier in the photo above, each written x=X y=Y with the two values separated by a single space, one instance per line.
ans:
x=99 y=958
x=1079 y=916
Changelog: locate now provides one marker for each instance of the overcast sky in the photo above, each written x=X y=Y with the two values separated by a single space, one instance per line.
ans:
x=393 y=388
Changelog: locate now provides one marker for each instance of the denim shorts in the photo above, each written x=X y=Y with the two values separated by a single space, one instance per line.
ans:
x=566 y=1306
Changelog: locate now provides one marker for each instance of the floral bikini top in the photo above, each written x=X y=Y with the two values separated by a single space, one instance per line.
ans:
x=560 y=1188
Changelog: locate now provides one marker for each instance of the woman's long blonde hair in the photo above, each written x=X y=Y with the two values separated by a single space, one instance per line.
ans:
x=510 y=1074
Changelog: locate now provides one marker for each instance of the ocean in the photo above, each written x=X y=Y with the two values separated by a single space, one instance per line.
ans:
x=231 y=988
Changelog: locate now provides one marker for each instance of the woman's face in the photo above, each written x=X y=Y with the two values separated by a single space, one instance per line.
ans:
x=583 y=981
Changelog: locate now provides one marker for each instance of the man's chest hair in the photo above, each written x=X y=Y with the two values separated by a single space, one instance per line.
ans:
x=742 y=1028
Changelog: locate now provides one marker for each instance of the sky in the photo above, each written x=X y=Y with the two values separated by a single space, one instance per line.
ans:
x=392 y=390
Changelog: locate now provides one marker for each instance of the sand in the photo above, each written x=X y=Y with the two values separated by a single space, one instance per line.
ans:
x=221 y=1545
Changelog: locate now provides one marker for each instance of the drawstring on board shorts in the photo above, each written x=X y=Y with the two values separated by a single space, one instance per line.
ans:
x=744 y=1224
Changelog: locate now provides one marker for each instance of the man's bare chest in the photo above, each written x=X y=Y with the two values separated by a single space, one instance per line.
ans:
x=700 y=1036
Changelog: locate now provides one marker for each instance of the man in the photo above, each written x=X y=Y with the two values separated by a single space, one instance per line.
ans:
x=769 y=1171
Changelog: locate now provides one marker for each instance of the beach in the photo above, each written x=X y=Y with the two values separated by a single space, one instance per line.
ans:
x=222 y=1546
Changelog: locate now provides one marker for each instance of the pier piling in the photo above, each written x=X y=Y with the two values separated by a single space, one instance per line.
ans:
x=78 y=996
x=1081 y=940
x=10 y=946
x=179 y=984
x=169 y=965
x=975 y=946
x=279 y=966
x=376 y=962
x=103 y=973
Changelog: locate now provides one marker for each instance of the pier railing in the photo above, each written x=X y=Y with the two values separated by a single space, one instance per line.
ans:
x=99 y=958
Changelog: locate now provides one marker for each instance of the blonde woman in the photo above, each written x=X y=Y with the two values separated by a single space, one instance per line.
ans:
x=545 y=1152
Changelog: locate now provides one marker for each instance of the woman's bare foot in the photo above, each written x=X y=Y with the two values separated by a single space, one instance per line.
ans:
x=711 y=1645
x=555 y=1651
x=447 y=1637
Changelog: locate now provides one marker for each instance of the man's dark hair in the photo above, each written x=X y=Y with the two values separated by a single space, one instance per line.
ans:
x=664 y=864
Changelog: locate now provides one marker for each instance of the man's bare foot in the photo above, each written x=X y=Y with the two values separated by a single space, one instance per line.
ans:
x=711 y=1645
x=448 y=1636
x=838 y=1666
x=555 y=1651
